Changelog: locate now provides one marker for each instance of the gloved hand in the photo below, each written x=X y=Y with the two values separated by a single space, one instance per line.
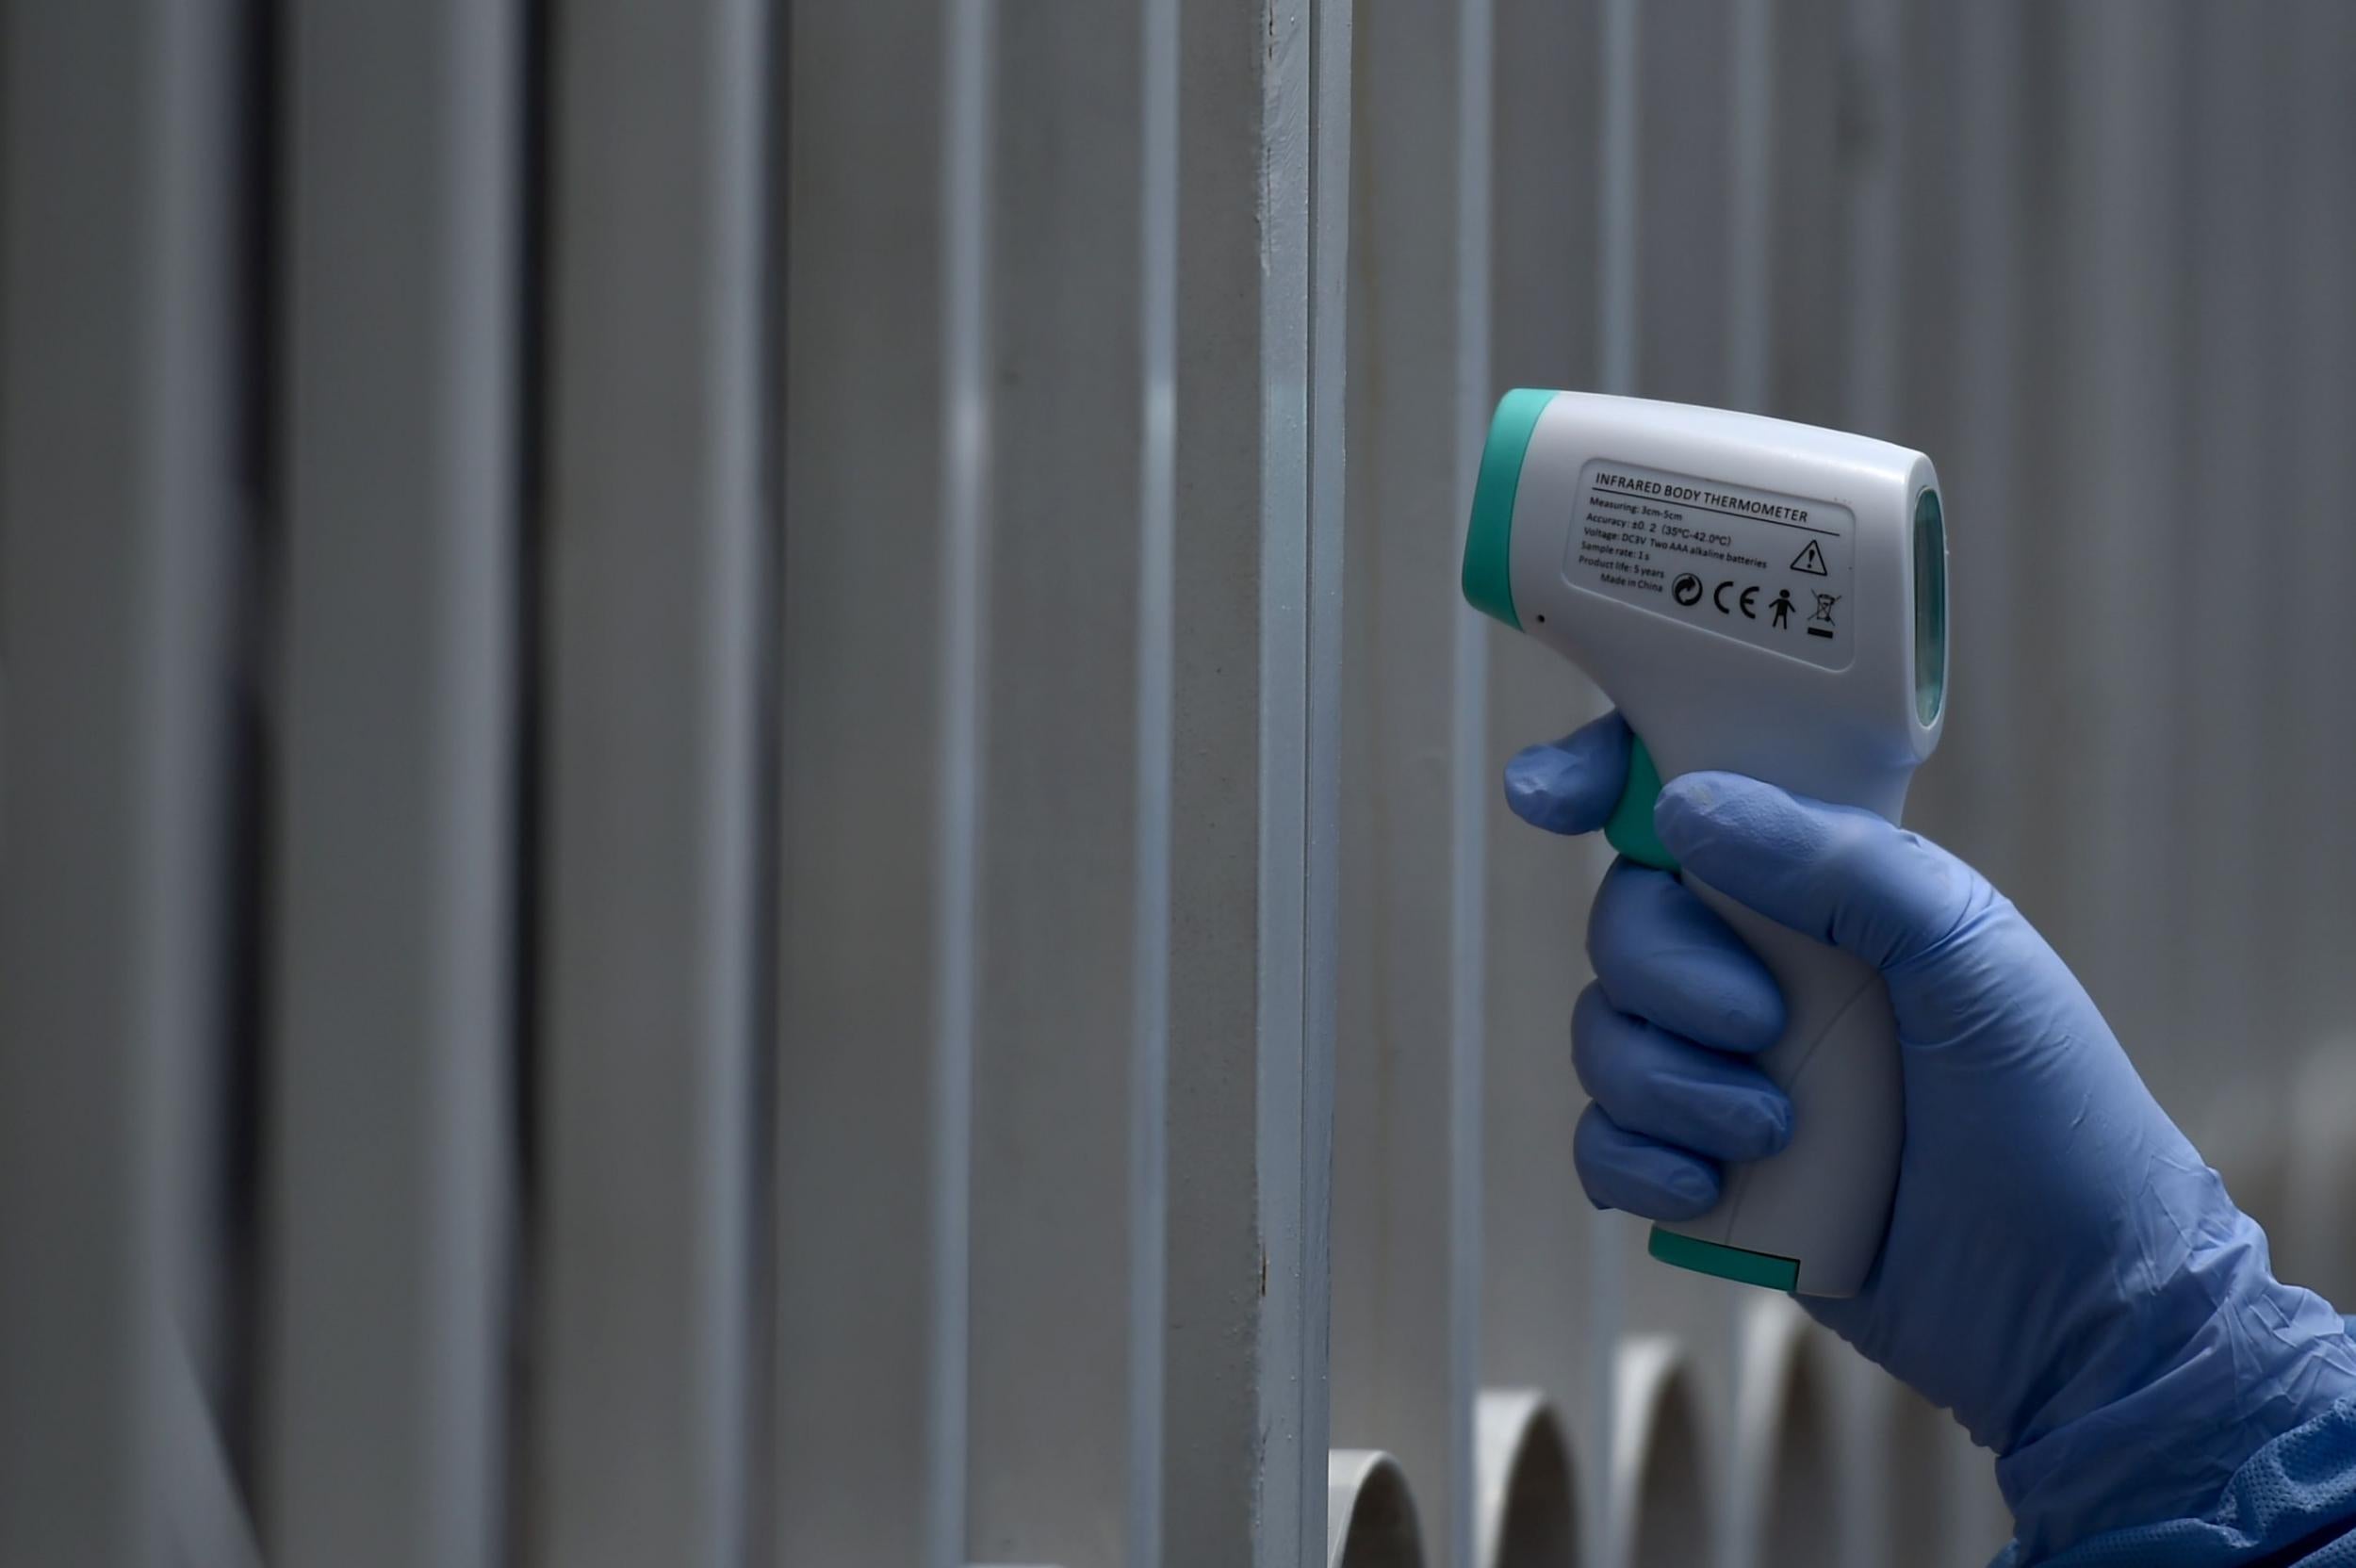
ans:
x=2062 y=1270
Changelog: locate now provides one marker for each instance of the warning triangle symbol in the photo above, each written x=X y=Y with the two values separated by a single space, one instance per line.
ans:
x=1810 y=560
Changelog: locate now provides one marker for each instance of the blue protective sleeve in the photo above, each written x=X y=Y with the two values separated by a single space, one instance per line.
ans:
x=2293 y=1503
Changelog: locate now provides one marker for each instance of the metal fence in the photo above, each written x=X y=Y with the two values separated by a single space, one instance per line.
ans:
x=745 y=819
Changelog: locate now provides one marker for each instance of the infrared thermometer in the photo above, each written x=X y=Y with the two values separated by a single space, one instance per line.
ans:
x=1764 y=598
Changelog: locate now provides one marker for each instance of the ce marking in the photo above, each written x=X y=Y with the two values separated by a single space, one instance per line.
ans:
x=1741 y=600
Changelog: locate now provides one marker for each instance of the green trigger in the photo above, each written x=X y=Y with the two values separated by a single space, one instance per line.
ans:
x=1630 y=829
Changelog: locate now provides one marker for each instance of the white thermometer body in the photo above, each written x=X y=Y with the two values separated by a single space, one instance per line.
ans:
x=1759 y=598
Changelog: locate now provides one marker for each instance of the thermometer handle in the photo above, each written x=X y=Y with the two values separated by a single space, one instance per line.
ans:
x=1811 y=1218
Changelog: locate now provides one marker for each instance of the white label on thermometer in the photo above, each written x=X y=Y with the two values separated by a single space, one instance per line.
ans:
x=1763 y=568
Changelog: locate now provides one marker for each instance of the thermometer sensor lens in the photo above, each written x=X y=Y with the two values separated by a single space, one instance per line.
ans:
x=1930 y=608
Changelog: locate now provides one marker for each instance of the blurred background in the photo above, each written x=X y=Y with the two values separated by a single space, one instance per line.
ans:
x=746 y=818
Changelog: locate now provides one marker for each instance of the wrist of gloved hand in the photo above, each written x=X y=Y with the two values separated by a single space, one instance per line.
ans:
x=2149 y=1415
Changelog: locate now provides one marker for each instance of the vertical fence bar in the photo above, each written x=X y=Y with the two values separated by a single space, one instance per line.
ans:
x=2287 y=687
x=1251 y=1086
x=887 y=476
x=1333 y=89
x=2219 y=623
x=1804 y=218
x=2117 y=487
x=1469 y=791
x=1541 y=332
x=2287 y=706
x=1468 y=768
x=653 y=562
x=1051 y=1428
x=2039 y=310
x=1150 y=926
x=1969 y=795
x=1293 y=1097
x=1687 y=79
x=1406 y=1252
x=967 y=135
x=1685 y=191
x=1618 y=293
x=1781 y=1499
x=1963 y=300
x=2320 y=753
x=1876 y=212
x=117 y=517
x=1871 y=176
x=391 y=1048
x=1924 y=93
x=1285 y=1102
x=1750 y=202
x=2317 y=754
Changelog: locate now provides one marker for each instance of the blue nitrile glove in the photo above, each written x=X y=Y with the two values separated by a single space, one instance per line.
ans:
x=2061 y=1271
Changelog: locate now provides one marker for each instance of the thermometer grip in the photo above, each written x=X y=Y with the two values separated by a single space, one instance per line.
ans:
x=1810 y=1218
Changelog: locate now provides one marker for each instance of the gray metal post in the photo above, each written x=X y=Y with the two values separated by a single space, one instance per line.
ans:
x=1804 y=219
x=1619 y=293
x=1535 y=1226
x=887 y=444
x=1685 y=191
x=1251 y=1079
x=653 y=560
x=391 y=1040
x=2318 y=753
x=118 y=513
x=2226 y=494
x=1688 y=80
x=1332 y=87
x=1964 y=319
x=2116 y=486
x=1058 y=1447
x=1964 y=302
x=1872 y=179
x=1406 y=1188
